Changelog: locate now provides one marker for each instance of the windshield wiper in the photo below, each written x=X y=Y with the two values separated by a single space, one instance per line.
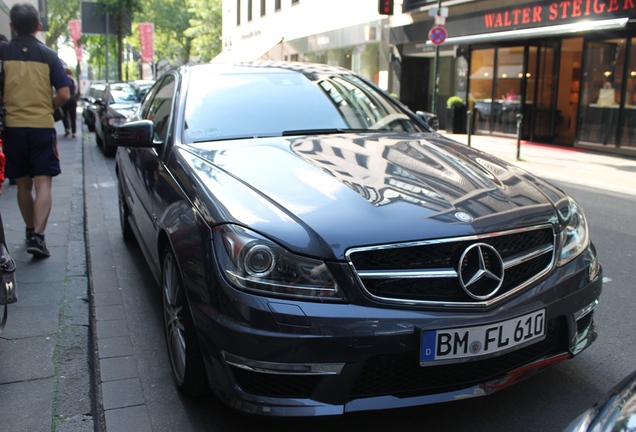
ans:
x=326 y=131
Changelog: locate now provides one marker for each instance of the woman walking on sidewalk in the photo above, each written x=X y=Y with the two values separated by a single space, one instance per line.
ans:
x=70 y=107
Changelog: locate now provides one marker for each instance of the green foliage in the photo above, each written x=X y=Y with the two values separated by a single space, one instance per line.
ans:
x=185 y=31
x=60 y=13
x=455 y=102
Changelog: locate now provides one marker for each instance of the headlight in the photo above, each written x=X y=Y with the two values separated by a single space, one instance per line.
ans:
x=116 y=121
x=254 y=263
x=574 y=238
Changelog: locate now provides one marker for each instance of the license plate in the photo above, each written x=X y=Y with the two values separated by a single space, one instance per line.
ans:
x=457 y=344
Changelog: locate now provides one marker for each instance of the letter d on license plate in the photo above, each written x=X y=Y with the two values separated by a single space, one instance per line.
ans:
x=453 y=345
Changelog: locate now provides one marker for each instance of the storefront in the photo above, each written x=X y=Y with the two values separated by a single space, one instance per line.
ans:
x=568 y=67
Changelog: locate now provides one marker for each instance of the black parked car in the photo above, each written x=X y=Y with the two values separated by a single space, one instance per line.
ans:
x=320 y=250
x=118 y=102
x=616 y=412
x=93 y=93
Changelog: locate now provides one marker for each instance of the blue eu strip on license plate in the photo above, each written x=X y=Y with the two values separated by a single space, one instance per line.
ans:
x=453 y=345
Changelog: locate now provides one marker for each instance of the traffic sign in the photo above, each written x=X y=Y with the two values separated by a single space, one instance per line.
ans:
x=437 y=35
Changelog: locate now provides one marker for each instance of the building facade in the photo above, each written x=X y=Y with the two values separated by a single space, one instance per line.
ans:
x=567 y=66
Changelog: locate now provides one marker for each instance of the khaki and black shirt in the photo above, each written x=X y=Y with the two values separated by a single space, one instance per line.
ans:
x=31 y=70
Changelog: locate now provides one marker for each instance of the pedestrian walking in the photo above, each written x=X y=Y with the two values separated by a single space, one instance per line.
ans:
x=70 y=107
x=30 y=71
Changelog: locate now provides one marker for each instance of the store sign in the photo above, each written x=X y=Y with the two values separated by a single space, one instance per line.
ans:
x=530 y=14
x=553 y=12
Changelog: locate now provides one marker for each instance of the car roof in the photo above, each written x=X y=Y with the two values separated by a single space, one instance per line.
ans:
x=259 y=67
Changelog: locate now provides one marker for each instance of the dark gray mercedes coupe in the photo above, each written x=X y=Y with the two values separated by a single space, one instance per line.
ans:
x=320 y=250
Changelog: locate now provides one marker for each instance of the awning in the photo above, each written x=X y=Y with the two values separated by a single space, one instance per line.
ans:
x=248 y=51
x=557 y=30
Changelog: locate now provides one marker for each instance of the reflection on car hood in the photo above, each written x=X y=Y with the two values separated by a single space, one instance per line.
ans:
x=342 y=189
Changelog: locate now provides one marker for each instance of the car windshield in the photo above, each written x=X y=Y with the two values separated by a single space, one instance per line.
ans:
x=277 y=103
x=124 y=93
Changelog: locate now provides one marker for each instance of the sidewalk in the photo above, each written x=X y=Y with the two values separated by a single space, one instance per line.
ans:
x=48 y=359
x=45 y=349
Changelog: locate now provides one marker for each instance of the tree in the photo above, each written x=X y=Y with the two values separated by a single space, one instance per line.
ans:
x=205 y=28
x=60 y=13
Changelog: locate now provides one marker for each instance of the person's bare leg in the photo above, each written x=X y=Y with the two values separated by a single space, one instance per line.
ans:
x=25 y=200
x=42 y=203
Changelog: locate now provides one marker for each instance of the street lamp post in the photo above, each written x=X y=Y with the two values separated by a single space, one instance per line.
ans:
x=436 y=67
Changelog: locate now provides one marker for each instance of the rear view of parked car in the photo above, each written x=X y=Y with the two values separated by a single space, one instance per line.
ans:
x=320 y=250
x=118 y=101
x=93 y=93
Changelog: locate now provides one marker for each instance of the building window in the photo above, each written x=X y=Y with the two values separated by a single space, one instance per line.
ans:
x=629 y=121
x=249 y=10
x=482 y=67
x=601 y=90
x=277 y=5
x=238 y=12
x=262 y=7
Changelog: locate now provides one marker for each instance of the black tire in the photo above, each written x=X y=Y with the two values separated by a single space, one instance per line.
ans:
x=126 y=230
x=186 y=360
x=108 y=147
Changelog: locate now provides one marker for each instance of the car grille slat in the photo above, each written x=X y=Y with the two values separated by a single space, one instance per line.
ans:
x=427 y=272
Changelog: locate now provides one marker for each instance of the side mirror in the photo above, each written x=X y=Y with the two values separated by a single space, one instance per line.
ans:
x=138 y=134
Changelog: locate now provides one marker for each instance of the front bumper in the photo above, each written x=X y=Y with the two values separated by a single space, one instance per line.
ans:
x=286 y=358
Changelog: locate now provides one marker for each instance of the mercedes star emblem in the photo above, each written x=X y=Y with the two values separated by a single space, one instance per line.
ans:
x=481 y=271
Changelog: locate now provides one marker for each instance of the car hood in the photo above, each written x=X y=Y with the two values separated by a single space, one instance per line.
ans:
x=320 y=195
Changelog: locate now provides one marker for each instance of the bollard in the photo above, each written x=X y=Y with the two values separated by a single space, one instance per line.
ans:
x=519 y=121
x=469 y=123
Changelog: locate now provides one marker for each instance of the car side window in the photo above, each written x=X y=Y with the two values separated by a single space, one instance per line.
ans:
x=159 y=106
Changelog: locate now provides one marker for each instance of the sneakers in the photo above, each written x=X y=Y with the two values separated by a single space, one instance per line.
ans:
x=37 y=247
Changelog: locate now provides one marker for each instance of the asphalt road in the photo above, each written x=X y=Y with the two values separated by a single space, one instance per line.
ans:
x=547 y=402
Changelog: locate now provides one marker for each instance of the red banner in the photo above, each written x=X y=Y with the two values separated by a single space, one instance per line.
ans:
x=147 y=42
x=75 y=29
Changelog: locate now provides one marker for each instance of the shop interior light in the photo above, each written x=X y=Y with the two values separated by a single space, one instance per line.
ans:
x=607 y=73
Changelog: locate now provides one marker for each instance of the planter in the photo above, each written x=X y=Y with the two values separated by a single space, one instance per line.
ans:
x=456 y=120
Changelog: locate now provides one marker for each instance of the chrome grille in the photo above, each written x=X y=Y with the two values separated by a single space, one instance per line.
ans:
x=427 y=272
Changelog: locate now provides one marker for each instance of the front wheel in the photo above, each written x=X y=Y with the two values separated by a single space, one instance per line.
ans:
x=186 y=360
x=124 y=223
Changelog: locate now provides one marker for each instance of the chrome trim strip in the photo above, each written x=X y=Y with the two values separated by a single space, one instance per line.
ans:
x=585 y=311
x=283 y=368
x=407 y=274
x=521 y=258
x=445 y=240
